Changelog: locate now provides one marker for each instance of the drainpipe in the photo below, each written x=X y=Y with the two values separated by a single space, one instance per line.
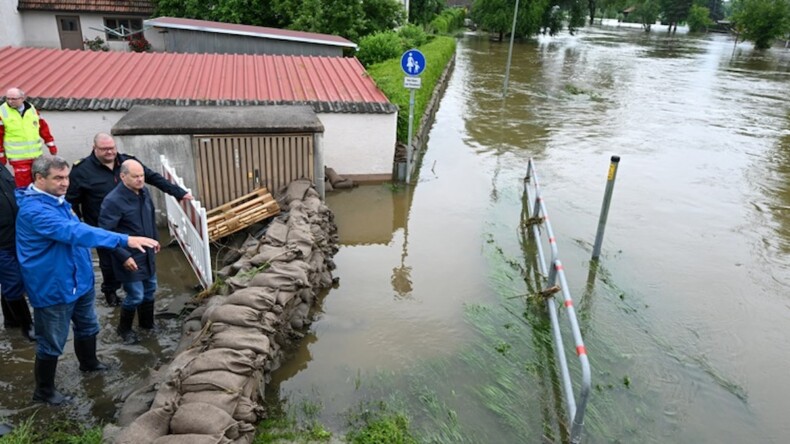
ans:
x=318 y=164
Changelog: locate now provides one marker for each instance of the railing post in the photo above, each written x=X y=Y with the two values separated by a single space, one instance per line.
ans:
x=607 y=198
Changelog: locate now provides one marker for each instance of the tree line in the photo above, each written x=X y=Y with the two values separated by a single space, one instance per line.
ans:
x=759 y=21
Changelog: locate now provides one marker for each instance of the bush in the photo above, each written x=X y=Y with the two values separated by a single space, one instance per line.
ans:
x=378 y=47
x=138 y=43
x=412 y=36
x=699 y=19
x=96 y=44
x=448 y=21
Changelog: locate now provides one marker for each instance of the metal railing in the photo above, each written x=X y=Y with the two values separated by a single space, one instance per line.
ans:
x=556 y=283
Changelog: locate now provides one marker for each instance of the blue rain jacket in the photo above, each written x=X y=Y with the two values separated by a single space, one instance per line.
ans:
x=53 y=248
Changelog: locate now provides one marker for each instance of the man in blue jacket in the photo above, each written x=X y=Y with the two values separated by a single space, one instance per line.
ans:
x=53 y=248
x=128 y=209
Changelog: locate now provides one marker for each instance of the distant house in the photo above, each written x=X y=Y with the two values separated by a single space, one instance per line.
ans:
x=65 y=24
x=83 y=92
x=199 y=36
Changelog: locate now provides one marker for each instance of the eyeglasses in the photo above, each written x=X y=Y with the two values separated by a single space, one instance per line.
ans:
x=14 y=98
x=105 y=150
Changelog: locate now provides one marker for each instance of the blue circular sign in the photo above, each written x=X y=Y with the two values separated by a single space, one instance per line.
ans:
x=412 y=62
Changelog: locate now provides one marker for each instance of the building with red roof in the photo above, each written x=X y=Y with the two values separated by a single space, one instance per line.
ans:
x=84 y=92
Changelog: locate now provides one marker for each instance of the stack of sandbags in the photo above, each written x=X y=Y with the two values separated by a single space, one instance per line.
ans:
x=211 y=390
x=335 y=181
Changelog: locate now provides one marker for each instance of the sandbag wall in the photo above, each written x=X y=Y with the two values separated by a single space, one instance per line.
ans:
x=210 y=393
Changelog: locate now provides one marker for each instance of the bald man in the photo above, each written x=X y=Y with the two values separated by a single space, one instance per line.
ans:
x=21 y=131
x=128 y=209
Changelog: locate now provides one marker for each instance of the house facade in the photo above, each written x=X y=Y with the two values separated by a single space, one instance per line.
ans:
x=66 y=24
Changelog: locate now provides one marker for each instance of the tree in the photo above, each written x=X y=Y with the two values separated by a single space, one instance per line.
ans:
x=423 y=11
x=647 y=13
x=493 y=15
x=699 y=19
x=762 y=21
x=674 y=11
x=382 y=15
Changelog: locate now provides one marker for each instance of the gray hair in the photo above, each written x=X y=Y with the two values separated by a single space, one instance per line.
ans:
x=126 y=165
x=44 y=164
x=101 y=136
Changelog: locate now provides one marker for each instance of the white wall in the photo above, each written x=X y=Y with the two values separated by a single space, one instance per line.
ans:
x=353 y=143
x=41 y=29
x=10 y=24
x=74 y=130
x=359 y=143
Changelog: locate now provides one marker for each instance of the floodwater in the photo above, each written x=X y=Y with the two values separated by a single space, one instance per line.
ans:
x=98 y=396
x=687 y=317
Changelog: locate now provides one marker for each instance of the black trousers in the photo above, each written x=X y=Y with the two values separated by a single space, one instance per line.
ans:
x=108 y=284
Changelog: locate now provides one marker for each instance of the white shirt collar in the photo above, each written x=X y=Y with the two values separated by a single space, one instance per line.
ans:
x=61 y=199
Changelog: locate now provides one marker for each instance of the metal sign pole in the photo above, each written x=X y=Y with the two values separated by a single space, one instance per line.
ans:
x=510 y=50
x=607 y=198
x=408 y=144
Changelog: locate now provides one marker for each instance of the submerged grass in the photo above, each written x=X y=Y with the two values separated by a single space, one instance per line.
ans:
x=31 y=431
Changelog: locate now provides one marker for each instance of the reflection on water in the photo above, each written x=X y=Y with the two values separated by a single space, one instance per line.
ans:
x=686 y=317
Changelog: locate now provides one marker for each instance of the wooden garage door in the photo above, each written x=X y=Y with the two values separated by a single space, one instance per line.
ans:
x=229 y=167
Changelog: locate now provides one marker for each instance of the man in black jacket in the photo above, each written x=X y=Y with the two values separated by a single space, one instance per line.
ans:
x=16 y=314
x=128 y=209
x=91 y=179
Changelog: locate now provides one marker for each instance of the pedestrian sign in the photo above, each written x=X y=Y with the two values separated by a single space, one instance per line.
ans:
x=412 y=62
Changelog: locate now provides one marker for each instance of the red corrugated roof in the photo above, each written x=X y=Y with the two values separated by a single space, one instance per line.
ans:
x=254 y=31
x=74 y=80
x=145 y=7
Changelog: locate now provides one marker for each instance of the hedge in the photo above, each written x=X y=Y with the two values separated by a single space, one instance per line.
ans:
x=389 y=78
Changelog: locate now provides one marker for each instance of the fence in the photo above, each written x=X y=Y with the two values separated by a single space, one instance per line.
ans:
x=186 y=221
x=537 y=216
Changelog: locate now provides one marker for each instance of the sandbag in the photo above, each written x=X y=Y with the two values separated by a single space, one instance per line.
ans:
x=258 y=298
x=148 y=427
x=237 y=338
x=241 y=362
x=248 y=411
x=269 y=253
x=213 y=380
x=224 y=400
x=277 y=233
x=238 y=315
x=283 y=275
x=203 y=419
x=193 y=439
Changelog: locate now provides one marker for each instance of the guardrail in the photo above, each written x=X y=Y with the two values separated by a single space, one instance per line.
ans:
x=187 y=223
x=538 y=217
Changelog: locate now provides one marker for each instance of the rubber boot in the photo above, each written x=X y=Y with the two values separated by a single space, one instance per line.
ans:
x=85 y=349
x=44 y=371
x=21 y=313
x=145 y=315
x=128 y=335
x=112 y=299
x=9 y=319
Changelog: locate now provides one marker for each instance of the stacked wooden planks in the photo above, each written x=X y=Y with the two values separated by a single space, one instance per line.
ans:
x=241 y=213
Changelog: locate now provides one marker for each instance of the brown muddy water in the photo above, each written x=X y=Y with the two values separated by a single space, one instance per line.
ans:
x=686 y=320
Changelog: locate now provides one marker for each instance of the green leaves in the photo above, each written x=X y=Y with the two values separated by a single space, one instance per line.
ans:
x=762 y=21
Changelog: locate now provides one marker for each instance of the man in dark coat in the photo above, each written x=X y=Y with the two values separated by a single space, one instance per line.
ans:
x=128 y=209
x=16 y=314
x=91 y=179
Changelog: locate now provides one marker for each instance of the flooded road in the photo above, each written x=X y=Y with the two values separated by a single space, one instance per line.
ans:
x=686 y=319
